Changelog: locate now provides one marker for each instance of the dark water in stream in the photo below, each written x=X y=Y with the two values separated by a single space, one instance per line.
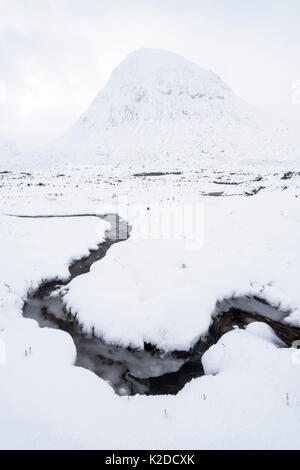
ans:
x=149 y=371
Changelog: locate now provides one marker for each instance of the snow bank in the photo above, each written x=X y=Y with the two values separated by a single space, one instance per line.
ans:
x=242 y=407
x=160 y=292
x=33 y=250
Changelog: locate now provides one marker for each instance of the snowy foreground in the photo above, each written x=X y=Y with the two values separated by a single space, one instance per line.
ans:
x=153 y=290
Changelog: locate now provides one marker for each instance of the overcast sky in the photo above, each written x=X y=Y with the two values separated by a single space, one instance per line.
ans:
x=55 y=55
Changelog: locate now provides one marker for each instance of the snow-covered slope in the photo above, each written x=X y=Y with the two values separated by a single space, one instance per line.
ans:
x=156 y=105
x=159 y=108
x=153 y=85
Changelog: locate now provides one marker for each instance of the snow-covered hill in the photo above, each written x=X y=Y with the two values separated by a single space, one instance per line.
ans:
x=156 y=105
x=158 y=108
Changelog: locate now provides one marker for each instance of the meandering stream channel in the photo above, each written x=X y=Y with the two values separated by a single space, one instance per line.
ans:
x=147 y=371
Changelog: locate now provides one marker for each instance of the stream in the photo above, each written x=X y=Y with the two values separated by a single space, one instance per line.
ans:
x=147 y=371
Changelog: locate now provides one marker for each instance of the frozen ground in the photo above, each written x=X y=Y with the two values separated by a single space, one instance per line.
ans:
x=156 y=291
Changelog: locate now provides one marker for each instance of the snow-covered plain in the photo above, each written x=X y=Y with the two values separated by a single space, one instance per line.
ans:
x=158 y=291
x=164 y=137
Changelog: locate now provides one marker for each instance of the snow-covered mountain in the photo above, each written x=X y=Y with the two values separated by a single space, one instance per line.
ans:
x=159 y=108
x=153 y=86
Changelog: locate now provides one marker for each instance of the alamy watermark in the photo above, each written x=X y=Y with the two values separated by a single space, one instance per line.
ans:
x=166 y=221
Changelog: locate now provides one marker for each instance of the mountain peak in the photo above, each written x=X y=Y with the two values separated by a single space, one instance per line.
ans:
x=155 y=103
x=167 y=72
x=146 y=59
x=153 y=84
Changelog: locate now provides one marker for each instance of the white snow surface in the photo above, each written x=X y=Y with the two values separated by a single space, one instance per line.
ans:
x=246 y=404
x=164 y=291
x=35 y=250
x=156 y=290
